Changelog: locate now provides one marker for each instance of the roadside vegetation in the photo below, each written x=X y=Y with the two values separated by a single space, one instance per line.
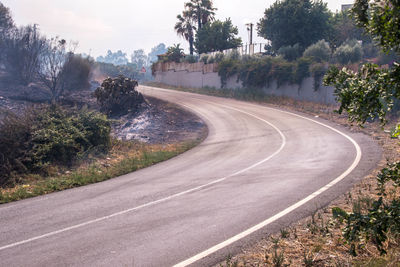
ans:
x=123 y=157
x=369 y=94
x=50 y=148
x=42 y=137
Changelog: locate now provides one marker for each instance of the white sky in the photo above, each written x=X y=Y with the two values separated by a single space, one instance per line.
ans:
x=128 y=25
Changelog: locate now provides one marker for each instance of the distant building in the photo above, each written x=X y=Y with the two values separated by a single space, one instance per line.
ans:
x=347 y=7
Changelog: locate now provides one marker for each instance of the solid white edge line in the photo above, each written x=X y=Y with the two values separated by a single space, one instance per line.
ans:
x=163 y=199
x=286 y=211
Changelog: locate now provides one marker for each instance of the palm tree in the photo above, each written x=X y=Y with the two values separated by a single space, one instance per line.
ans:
x=201 y=11
x=185 y=28
x=174 y=53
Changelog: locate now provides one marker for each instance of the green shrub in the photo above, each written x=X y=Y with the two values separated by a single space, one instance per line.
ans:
x=204 y=59
x=15 y=137
x=255 y=72
x=227 y=68
x=302 y=70
x=260 y=71
x=234 y=55
x=349 y=52
x=211 y=60
x=290 y=52
x=319 y=51
x=118 y=96
x=97 y=129
x=42 y=136
x=59 y=136
x=378 y=219
x=282 y=71
x=219 y=57
x=174 y=54
x=190 y=59
x=318 y=71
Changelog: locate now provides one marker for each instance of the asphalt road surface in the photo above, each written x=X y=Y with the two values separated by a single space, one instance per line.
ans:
x=258 y=170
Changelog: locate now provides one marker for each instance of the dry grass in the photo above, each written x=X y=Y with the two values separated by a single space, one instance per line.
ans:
x=125 y=157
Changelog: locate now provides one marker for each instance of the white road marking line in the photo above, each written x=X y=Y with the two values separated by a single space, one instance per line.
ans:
x=163 y=199
x=287 y=210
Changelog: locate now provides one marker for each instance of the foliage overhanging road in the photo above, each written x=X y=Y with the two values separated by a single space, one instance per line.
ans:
x=255 y=163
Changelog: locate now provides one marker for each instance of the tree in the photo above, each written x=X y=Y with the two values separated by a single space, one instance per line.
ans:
x=371 y=91
x=117 y=58
x=381 y=20
x=217 y=36
x=349 y=52
x=290 y=52
x=344 y=28
x=139 y=59
x=76 y=72
x=6 y=25
x=22 y=50
x=6 y=21
x=155 y=51
x=289 y=22
x=369 y=94
x=52 y=62
x=184 y=27
x=201 y=11
x=174 y=53
x=319 y=51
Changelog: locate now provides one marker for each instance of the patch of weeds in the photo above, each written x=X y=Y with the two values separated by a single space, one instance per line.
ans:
x=275 y=241
x=284 y=233
x=278 y=258
x=308 y=259
x=317 y=248
x=312 y=227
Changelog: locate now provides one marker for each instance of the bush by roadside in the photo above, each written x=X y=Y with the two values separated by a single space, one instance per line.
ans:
x=42 y=136
x=260 y=71
x=118 y=96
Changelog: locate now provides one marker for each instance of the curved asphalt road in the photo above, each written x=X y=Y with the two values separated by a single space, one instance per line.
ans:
x=258 y=170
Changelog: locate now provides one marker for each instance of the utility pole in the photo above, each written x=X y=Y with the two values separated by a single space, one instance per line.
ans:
x=250 y=29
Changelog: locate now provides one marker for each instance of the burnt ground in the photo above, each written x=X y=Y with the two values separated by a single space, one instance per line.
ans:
x=156 y=121
x=160 y=122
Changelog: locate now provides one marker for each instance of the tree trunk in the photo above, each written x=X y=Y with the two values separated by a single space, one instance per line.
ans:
x=191 y=45
x=199 y=24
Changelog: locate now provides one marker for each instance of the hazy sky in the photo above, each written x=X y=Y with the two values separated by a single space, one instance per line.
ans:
x=128 y=25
